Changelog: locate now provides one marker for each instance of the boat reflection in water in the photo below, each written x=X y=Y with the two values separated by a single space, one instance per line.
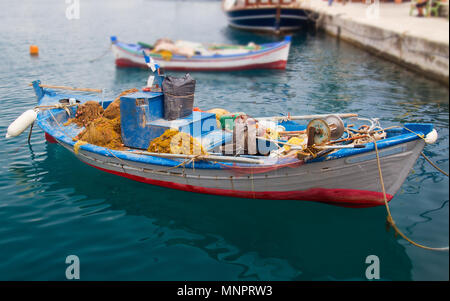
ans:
x=268 y=240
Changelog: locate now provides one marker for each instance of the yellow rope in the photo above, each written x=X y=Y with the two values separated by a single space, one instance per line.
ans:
x=418 y=135
x=433 y=164
x=390 y=219
x=425 y=157
x=76 y=146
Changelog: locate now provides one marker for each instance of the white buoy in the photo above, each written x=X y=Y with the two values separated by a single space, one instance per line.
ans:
x=431 y=137
x=21 y=123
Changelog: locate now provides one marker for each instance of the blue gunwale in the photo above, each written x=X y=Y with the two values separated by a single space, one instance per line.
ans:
x=137 y=50
x=48 y=125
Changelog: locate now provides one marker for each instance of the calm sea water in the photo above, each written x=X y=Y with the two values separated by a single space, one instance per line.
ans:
x=52 y=205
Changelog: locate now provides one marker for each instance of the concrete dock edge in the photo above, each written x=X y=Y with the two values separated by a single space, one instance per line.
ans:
x=407 y=48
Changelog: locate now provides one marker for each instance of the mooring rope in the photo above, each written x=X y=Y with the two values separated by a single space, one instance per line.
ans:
x=390 y=219
x=101 y=56
x=433 y=164
x=425 y=157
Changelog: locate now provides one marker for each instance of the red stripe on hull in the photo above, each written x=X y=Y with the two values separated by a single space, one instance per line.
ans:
x=281 y=64
x=50 y=138
x=352 y=198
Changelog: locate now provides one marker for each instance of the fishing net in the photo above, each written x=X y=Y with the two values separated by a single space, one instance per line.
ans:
x=219 y=113
x=102 y=127
x=175 y=142
x=86 y=113
x=113 y=110
x=103 y=132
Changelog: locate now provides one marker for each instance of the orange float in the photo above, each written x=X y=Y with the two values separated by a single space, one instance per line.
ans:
x=34 y=50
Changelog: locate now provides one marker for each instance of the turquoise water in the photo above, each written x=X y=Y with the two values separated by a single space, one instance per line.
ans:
x=52 y=205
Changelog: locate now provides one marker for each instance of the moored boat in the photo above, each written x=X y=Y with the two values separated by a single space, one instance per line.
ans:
x=204 y=57
x=344 y=175
x=274 y=16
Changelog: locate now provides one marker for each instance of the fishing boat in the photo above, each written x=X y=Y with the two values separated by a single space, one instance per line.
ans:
x=204 y=57
x=340 y=173
x=273 y=16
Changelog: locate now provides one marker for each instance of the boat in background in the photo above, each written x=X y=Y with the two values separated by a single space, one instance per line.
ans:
x=205 y=57
x=266 y=15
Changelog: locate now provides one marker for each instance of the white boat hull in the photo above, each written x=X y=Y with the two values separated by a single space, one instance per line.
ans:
x=275 y=58
x=349 y=181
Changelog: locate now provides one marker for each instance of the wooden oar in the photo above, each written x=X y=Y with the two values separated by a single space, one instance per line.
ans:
x=69 y=88
x=289 y=133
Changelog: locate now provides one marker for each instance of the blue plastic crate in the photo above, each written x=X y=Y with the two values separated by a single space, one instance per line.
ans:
x=142 y=121
x=137 y=110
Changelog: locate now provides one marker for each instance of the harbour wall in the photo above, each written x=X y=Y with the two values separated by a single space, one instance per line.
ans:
x=429 y=57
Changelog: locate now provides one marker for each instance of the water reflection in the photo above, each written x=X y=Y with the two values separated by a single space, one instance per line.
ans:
x=302 y=240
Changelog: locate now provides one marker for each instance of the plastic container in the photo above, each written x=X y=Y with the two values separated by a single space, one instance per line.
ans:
x=178 y=96
x=227 y=121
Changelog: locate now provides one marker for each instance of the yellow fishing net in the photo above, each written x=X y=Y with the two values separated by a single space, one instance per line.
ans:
x=102 y=127
x=173 y=141
x=165 y=54
x=103 y=132
x=219 y=113
x=113 y=110
x=86 y=113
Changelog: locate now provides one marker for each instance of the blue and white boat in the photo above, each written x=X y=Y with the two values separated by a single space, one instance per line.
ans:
x=266 y=15
x=210 y=57
x=343 y=173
